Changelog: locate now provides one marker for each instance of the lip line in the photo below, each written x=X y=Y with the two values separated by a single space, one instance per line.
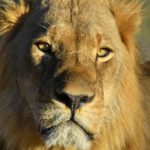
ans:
x=90 y=135
x=48 y=130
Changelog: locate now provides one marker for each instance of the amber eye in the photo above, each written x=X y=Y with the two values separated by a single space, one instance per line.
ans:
x=44 y=47
x=103 y=52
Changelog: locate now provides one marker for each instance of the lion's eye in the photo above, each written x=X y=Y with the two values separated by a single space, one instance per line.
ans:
x=103 y=52
x=44 y=47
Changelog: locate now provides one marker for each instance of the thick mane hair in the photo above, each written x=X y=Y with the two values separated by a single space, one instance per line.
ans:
x=126 y=131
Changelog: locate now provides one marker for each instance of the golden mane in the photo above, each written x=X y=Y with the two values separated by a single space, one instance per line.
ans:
x=10 y=14
x=128 y=130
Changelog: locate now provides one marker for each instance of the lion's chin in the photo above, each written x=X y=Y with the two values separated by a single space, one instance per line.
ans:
x=67 y=134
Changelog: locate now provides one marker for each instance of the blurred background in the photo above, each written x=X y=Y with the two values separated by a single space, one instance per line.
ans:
x=144 y=35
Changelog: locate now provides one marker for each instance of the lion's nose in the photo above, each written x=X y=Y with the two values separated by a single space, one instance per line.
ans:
x=72 y=101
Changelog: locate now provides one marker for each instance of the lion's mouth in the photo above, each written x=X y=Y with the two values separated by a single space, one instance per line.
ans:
x=46 y=132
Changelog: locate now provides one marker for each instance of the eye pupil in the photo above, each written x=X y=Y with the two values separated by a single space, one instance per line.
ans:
x=42 y=46
x=103 y=52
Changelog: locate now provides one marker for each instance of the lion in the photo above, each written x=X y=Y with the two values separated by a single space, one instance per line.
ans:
x=70 y=76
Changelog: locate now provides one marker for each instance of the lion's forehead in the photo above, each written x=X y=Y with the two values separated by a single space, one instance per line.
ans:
x=88 y=17
x=72 y=9
x=73 y=23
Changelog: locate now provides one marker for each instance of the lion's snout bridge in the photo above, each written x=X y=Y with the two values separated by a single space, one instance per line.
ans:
x=73 y=89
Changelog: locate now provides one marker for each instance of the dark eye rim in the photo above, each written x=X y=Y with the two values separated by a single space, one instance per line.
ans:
x=48 y=46
x=107 y=50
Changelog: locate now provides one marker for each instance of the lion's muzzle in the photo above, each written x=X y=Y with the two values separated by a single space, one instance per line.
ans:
x=72 y=101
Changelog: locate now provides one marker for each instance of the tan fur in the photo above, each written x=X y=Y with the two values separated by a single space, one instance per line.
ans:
x=118 y=116
x=11 y=13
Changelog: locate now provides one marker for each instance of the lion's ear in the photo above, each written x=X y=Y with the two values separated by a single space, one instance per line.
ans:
x=128 y=14
x=11 y=11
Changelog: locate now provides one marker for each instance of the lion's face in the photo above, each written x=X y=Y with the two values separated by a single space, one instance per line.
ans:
x=69 y=71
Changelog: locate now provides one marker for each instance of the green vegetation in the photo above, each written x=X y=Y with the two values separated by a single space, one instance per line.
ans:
x=144 y=35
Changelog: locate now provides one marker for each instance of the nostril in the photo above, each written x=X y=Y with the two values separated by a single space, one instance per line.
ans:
x=84 y=99
x=62 y=97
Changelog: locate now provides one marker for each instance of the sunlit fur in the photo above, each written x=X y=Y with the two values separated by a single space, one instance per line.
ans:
x=119 y=114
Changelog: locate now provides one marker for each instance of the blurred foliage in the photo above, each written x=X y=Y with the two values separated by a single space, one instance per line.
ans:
x=144 y=35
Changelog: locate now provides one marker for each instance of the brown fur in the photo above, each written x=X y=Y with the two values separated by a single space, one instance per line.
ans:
x=118 y=116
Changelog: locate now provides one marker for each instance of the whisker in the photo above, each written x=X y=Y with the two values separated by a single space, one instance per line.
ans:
x=44 y=27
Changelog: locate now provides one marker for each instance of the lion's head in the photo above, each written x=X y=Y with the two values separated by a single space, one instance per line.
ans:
x=63 y=65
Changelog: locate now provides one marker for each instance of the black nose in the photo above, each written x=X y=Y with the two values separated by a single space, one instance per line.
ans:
x=72 y=101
